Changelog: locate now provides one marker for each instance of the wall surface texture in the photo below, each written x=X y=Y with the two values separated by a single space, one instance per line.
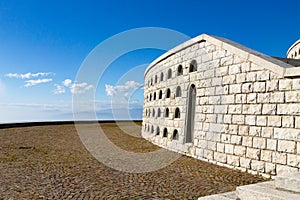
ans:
x=218 y=101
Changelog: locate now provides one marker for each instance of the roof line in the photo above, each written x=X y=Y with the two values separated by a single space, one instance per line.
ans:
x=258 y=58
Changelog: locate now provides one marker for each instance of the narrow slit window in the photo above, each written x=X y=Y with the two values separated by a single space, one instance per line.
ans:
x=175 y=135
x=177 y=113
x=179 y=70
x=165 y=132
x=193 y=66
x=178 y=91
x=169 y=73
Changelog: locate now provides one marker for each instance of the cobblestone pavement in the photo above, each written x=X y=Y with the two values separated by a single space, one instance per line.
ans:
x=50 y=162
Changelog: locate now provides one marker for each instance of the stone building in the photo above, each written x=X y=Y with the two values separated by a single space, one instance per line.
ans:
x=221 y=102
x=294 y=51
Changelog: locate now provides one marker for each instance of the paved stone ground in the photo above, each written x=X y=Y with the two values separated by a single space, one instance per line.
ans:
x=50 y=162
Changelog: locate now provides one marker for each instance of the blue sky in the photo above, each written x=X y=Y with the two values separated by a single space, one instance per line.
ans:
x=43 y=44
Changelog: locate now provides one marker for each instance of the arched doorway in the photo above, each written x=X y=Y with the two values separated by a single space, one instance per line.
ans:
x=190 y=120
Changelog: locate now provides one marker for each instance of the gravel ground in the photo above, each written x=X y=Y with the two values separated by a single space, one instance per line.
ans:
x=50 y=162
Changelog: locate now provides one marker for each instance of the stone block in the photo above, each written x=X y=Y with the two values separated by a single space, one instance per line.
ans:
x=251 y=77
x=225 y=138
x=287 y=134
x=220 y=157
x=213 y=127
x=229 y=148
x=233 y=160
x=259 y=142
x=258 y=166
x=209 y=73
x=277 y=97
x=267 y=132
x=243 y=130
x=271 y=144
x=247 y=141
x=279 y=158
x=292 y=96
x=250 y=119
x=216 y=81
x=274 y=121
x=220 y=109
x=259 y=87
x=227 y=119
x=245 y=162
x=220 y=118
x=247 y=87
x=236 y=139
x=211 y=118
x=253 y=153
x=221 y=147
x=208 y=154
x=272 y=85
x=264 y=191
x=235 y=69
x=235 y=109
x=238 y=119
x=293 y=160
x=252 y=109
x=241 y=78
x=199 y=152
x=288 y=121
x=232 y=129
x=222 y=71
x=240 y=98
x=266 y=155
x=227 y=99
x=288 y=109
x=288 y=181
x=251 y=98
x=255 y=131
x=285 y=84
x=203 y=100
x=270 y=168
x=222 y=90
x=296 y=84
x=211 y=145
x=240 y=150
x=230 y=79
x=263 y=97
x=235 y=88
x=286 y=146
x=261 y=120
x=284 y=168
x=245 y=66
x=263 y=75
x=269 y=109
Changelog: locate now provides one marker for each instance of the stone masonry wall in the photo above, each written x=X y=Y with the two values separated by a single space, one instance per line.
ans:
x=246 y=117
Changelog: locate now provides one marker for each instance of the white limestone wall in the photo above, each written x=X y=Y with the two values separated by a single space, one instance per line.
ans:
x=247 y=116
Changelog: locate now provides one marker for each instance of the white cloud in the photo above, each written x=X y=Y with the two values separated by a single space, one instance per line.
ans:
x=80 y=88
x=125 y=89
x=59 y=89
x=28 y=75
x=67 y=83
x=30 y=83
x=75 y=88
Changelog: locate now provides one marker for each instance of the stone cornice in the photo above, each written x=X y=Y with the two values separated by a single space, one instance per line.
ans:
x=272 y=64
